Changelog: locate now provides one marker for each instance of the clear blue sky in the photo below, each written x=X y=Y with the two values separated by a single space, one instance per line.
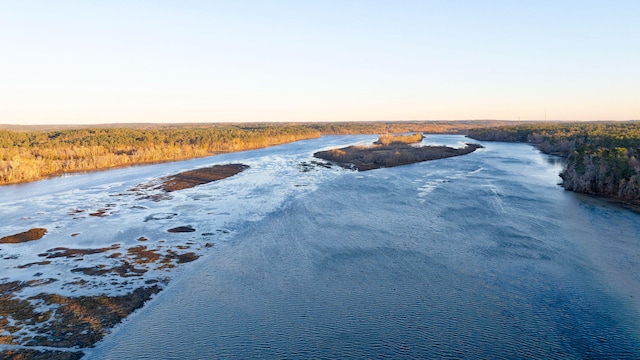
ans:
x=83 y=61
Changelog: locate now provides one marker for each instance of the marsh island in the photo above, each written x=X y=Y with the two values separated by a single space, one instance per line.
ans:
x=390 y=151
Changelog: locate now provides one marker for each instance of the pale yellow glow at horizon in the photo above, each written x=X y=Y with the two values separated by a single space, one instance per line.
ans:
x=82 y=63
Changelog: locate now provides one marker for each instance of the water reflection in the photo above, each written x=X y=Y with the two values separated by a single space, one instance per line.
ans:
x=556 y=160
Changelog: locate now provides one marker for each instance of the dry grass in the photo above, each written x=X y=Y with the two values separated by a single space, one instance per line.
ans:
x=29 y=235
x=391 y=139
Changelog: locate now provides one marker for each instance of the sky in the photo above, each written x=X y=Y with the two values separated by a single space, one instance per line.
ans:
x=116 y=61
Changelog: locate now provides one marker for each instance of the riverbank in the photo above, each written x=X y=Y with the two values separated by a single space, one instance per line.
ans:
x=602 y=157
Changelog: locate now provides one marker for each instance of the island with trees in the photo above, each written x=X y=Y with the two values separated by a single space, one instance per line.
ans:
x=390 y=151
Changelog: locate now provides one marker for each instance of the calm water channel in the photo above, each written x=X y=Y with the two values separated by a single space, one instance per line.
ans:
x=476 y=257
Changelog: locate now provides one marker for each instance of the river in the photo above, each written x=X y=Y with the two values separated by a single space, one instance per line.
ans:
x=478 y=256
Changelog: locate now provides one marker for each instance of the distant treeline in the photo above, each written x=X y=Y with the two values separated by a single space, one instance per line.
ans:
x=30 y=153
x=602 y=157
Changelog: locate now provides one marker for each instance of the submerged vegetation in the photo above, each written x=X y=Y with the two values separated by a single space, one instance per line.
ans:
x=70 y=323
x=33 y=153
x=603 y=158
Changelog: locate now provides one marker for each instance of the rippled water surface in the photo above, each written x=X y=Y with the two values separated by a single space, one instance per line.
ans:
x=479 y=256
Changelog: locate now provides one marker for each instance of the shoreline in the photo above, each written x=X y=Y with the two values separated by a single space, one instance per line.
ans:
x=601 y=157
x=121 y=166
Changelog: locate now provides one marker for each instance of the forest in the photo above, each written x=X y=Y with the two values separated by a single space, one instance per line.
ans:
x=33 y=155
x=603 y=158
x=29 y=153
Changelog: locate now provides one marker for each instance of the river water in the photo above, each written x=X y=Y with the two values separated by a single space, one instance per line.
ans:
x=478 y=256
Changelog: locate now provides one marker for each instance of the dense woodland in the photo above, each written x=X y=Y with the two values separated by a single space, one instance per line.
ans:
x=602 y=157
x=33 y=155
x=30 y=153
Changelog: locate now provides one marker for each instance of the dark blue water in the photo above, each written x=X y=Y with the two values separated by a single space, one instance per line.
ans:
x=481 y=256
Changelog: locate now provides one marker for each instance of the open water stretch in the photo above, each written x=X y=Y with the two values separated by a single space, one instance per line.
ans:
x=478 y=256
